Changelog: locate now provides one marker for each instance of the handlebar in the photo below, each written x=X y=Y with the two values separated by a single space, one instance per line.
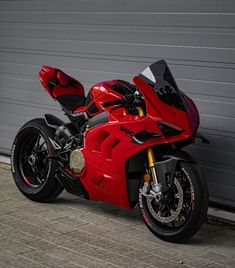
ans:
x=111 y=103
x=127 y=99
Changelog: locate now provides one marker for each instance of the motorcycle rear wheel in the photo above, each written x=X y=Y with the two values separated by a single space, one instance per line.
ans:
x=183 y=209
x=32 y=164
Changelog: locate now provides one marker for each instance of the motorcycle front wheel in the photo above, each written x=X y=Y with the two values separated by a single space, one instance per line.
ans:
x=182 y=209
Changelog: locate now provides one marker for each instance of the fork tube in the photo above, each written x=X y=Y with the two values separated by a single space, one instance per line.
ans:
x=151 y=160
x=150 y=155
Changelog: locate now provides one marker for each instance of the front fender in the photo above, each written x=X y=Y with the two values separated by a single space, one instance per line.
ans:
x=179 y=154
x=165 y=168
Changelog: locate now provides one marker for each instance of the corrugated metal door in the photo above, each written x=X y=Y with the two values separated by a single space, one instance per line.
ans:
x=99 y=40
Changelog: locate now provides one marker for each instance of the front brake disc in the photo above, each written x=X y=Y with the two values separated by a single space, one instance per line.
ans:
x=173 y=213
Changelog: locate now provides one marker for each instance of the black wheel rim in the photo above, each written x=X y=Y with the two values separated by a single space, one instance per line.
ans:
x=164 y=210
x=33 y=158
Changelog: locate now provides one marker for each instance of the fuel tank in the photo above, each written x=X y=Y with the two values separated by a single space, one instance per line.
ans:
x=103 y=92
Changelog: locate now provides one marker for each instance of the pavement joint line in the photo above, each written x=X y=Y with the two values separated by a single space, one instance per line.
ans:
x=29 y=259
x=47 y=229
x=33 y=261
x=124 y=242
x=105 y=238
x=60 y=218
x=4 y=159
x=72 y=250
x=220 y=214
x=27 y=251
x=58 y=245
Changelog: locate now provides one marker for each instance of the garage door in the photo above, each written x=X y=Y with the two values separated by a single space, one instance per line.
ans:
x=98 y=40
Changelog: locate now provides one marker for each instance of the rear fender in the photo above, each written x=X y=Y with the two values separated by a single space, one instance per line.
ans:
x=53 y=121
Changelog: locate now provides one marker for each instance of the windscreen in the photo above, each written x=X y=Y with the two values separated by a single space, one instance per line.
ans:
x=159 y=76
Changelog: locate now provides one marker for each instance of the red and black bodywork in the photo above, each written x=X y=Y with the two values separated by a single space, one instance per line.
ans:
x=63 y=88
x=116 y=136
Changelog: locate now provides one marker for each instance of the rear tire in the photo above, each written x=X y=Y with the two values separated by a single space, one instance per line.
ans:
x=32 y=167
x=197 y=211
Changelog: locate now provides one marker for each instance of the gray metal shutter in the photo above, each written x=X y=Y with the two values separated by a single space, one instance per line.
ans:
x=98 y=40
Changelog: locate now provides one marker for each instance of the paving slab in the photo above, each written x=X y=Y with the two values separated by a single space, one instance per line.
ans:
x=73 y=232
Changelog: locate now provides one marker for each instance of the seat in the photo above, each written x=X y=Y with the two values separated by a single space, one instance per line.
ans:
x=68 y=91
x=71 y=102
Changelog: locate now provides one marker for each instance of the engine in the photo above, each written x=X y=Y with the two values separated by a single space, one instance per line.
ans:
x=76 y=161
x=70 y=142
x=64 y=134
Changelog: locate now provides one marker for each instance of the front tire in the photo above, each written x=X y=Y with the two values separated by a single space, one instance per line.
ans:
x=32 y=166
x=184 y=208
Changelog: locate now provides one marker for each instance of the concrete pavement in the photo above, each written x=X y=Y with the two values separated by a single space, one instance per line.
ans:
x=72 y=232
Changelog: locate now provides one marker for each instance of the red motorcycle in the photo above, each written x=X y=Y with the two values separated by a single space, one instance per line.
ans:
x=122 y=145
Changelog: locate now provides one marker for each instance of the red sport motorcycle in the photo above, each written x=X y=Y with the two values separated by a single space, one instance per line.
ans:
x=122 y=145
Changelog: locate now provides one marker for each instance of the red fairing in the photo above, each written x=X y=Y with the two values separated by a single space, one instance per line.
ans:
x=99 y=93
x=107 y=148
x=59 y=84
x=108 y=145
x=193 y=116
x=188 y=121
x=46 y=74
x=122 y=145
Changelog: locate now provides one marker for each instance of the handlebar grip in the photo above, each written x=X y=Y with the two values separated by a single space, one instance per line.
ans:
x=110 y=103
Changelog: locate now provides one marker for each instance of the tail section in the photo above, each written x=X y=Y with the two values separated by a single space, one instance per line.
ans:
x=63 y=88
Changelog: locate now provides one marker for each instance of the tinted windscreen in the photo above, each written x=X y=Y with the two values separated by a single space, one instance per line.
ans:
x=159 y=76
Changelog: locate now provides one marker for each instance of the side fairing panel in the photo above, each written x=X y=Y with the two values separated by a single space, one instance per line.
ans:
x=107 y=149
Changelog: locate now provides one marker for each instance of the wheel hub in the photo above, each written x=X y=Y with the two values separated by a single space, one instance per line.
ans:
x=173 y=213
x=32 y=160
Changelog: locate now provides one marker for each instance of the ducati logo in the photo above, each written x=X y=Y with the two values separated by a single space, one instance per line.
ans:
x=127 y=131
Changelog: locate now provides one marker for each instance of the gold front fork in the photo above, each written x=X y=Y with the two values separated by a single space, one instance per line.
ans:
x=150 y=155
